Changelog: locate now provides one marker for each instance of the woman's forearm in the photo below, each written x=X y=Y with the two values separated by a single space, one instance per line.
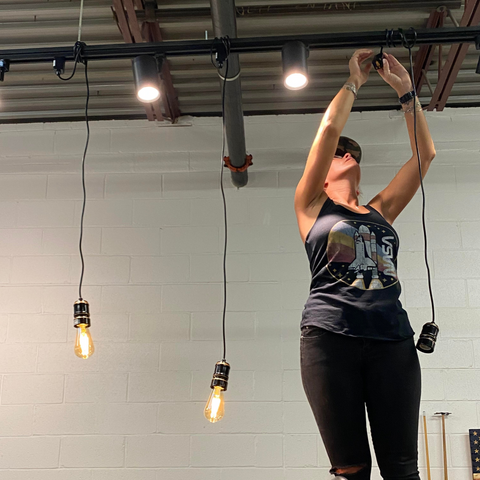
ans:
x=426 y=147
x=340 y=107
x=425 y=143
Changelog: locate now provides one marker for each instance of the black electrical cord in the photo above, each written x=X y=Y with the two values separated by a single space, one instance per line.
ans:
x=409 y=46
x=224 y=213
x=223 y=51
x=78 y=48
x=83 y=183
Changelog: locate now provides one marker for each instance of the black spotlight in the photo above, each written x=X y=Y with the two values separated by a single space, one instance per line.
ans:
x=145 y=74
x=294 y=59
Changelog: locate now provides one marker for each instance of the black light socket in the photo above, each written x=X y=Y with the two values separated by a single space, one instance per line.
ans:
x=220 y=375
x=59 y=65
x=81 y=313
x=428 y=337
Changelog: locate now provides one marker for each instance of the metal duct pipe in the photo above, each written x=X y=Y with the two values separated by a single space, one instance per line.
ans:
x=224 y=23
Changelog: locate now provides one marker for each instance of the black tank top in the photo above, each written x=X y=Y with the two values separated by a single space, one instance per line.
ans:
x=354 y=289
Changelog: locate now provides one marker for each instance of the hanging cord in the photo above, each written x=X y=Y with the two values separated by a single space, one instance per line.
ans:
x=80 y=249
x=223 y=51
x=78 y=49
x=80 y=21
x=409 y=46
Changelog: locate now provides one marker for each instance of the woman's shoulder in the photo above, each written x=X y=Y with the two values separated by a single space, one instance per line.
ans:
x=307 y=216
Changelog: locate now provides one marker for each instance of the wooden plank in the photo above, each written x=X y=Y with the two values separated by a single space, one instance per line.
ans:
x=165 y=97
x=123 y=25
x=157 y=109
x=132 y=21
x=149 y=112
x=122 y=20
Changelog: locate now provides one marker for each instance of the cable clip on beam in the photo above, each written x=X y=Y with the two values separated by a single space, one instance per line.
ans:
x=4 y=67
x=222 y=50
x=79 y=50
x=243 y=168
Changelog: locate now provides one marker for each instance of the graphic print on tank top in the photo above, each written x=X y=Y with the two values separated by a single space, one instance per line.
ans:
x=362 y=254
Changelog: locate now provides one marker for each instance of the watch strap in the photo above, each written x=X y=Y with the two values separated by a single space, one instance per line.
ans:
x=407 y=97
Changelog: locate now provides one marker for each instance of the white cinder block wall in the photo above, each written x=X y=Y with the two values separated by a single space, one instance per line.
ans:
x=153 y=244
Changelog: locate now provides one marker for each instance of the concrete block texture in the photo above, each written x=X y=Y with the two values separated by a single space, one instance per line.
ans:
x=153 y=245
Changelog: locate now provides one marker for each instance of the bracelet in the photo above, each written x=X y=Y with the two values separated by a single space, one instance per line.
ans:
x=351 y=86
x=409 y=107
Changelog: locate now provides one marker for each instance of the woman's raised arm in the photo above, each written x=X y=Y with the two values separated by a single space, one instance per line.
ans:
x=311 y=185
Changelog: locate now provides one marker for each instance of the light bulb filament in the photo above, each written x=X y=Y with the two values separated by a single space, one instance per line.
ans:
x=215 y=408
x=83 y=342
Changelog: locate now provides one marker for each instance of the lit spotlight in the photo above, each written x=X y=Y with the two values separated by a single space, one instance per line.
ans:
x=145 y=73
x=294 y=59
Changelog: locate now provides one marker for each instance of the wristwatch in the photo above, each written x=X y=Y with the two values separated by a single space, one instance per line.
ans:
x=407 y=97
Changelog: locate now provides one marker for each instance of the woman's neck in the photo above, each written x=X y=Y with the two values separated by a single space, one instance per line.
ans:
x=343 y=192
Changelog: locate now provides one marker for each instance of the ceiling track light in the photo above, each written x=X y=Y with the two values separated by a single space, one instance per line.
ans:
x=146 y=70
x=294 y=60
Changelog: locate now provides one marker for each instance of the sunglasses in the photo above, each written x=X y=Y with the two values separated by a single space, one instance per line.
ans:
x=341 y=151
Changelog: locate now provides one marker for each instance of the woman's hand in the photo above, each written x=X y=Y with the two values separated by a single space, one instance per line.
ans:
x=358 y=74
x=394 y=73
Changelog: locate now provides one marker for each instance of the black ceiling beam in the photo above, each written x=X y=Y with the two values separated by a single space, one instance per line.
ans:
x=308 y=8
x=374 y=39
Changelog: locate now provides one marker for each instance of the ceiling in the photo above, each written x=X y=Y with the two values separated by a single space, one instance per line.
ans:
x=32 y=92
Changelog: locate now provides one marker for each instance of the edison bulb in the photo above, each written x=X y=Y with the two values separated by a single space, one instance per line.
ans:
x=83 y=342
x=215 y=408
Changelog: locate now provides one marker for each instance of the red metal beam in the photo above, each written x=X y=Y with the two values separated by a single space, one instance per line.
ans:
x=456 y=55
x=424 y=56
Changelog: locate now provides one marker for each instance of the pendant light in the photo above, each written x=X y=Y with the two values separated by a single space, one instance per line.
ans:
x=294 y=60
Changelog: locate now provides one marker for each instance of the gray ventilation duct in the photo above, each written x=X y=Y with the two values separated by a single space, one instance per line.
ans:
x=224 y=23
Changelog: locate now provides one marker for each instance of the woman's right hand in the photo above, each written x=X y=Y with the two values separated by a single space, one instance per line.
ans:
x=357 y=73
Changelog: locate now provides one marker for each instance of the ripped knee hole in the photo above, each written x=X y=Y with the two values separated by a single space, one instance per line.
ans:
x=352 y=469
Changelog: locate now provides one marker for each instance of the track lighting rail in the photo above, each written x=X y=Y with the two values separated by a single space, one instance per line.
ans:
x=427 y=36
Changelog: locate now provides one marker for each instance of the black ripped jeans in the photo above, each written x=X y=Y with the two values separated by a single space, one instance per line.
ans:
x=341 y=375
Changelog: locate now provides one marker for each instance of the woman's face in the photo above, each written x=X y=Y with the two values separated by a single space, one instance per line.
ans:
x=345 y=167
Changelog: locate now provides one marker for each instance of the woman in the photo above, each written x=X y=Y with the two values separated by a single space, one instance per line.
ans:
x=357 y=346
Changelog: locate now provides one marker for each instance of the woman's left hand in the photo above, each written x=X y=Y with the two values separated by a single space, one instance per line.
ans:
x=394 y=73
